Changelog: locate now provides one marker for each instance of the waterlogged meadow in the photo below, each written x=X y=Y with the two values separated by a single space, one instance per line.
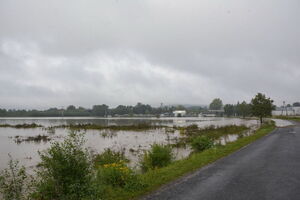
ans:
x=70 y=170
x=24 y=137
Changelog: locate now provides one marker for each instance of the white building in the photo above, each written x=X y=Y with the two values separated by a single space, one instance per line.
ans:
x=288 y=111
x=179 y=113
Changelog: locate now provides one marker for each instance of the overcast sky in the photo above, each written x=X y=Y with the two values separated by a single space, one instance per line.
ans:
x=61 y=52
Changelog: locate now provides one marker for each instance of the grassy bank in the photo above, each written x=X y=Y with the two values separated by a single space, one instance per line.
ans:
x=155 y=178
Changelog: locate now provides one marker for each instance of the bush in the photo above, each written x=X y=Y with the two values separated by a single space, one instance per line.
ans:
x=12 y=182
x=158 y=156
x=65 y=171
x=109 y=157
x=119 y=175
x=201 y=143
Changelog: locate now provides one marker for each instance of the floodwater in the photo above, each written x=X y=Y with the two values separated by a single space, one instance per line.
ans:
x=282 y=123
x=133 y=143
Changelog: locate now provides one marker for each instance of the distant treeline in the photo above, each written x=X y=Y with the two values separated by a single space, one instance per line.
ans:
x=240 y=109
x=101 y=111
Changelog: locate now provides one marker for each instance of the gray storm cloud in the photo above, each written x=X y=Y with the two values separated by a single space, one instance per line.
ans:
x=55 y=53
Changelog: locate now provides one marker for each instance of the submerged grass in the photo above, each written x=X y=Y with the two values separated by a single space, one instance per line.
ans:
x=33 y=125
x=153 y=179
x=212 y=132
x=37 y=139
x=135 y=127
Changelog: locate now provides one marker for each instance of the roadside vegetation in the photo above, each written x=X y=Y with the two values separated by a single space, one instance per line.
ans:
x=69 y=171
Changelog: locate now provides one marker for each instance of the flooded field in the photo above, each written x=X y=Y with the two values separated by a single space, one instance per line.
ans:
x=24 y=143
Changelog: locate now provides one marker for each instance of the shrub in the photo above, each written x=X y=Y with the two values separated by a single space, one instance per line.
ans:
x=201 y=143
x=65 y=170
x=109 y=157
x=158 y=156
x=119 y=175
x=13 y=181
x=114 y=174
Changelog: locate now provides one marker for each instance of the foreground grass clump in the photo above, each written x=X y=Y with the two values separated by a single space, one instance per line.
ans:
x=118 y=175
x=158 y=156
x=201 y=143
x=112 y=172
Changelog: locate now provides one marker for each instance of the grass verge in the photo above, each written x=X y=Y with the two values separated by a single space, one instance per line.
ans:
x=156 y=178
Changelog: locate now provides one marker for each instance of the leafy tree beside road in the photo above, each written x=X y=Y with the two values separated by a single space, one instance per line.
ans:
x=261 y=106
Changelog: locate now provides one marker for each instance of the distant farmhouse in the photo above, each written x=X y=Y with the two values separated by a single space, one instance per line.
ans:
x=179 y=113
x=286 y=111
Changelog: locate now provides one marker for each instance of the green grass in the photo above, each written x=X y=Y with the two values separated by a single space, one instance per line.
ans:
x=156 y=178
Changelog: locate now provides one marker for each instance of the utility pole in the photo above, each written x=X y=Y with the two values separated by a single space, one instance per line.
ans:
x=62 y=111
x=284 y=108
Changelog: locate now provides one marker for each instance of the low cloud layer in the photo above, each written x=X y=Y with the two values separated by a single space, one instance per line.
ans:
x=56 y=53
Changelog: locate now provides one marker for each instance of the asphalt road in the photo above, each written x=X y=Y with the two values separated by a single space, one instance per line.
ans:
x=266 y=169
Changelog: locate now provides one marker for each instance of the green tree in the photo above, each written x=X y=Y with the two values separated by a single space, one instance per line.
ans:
x=100 y=110
x=296 y=104
x=261 y=106
x=244 y=109
x=71 y=108
x=65 y=171
x=229 y=110
x=216 y=104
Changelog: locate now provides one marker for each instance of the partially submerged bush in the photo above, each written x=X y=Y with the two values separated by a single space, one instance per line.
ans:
x=201 y=143
x=65 y=170
x=109 y=156
x=158 y=156
x=13 y=182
